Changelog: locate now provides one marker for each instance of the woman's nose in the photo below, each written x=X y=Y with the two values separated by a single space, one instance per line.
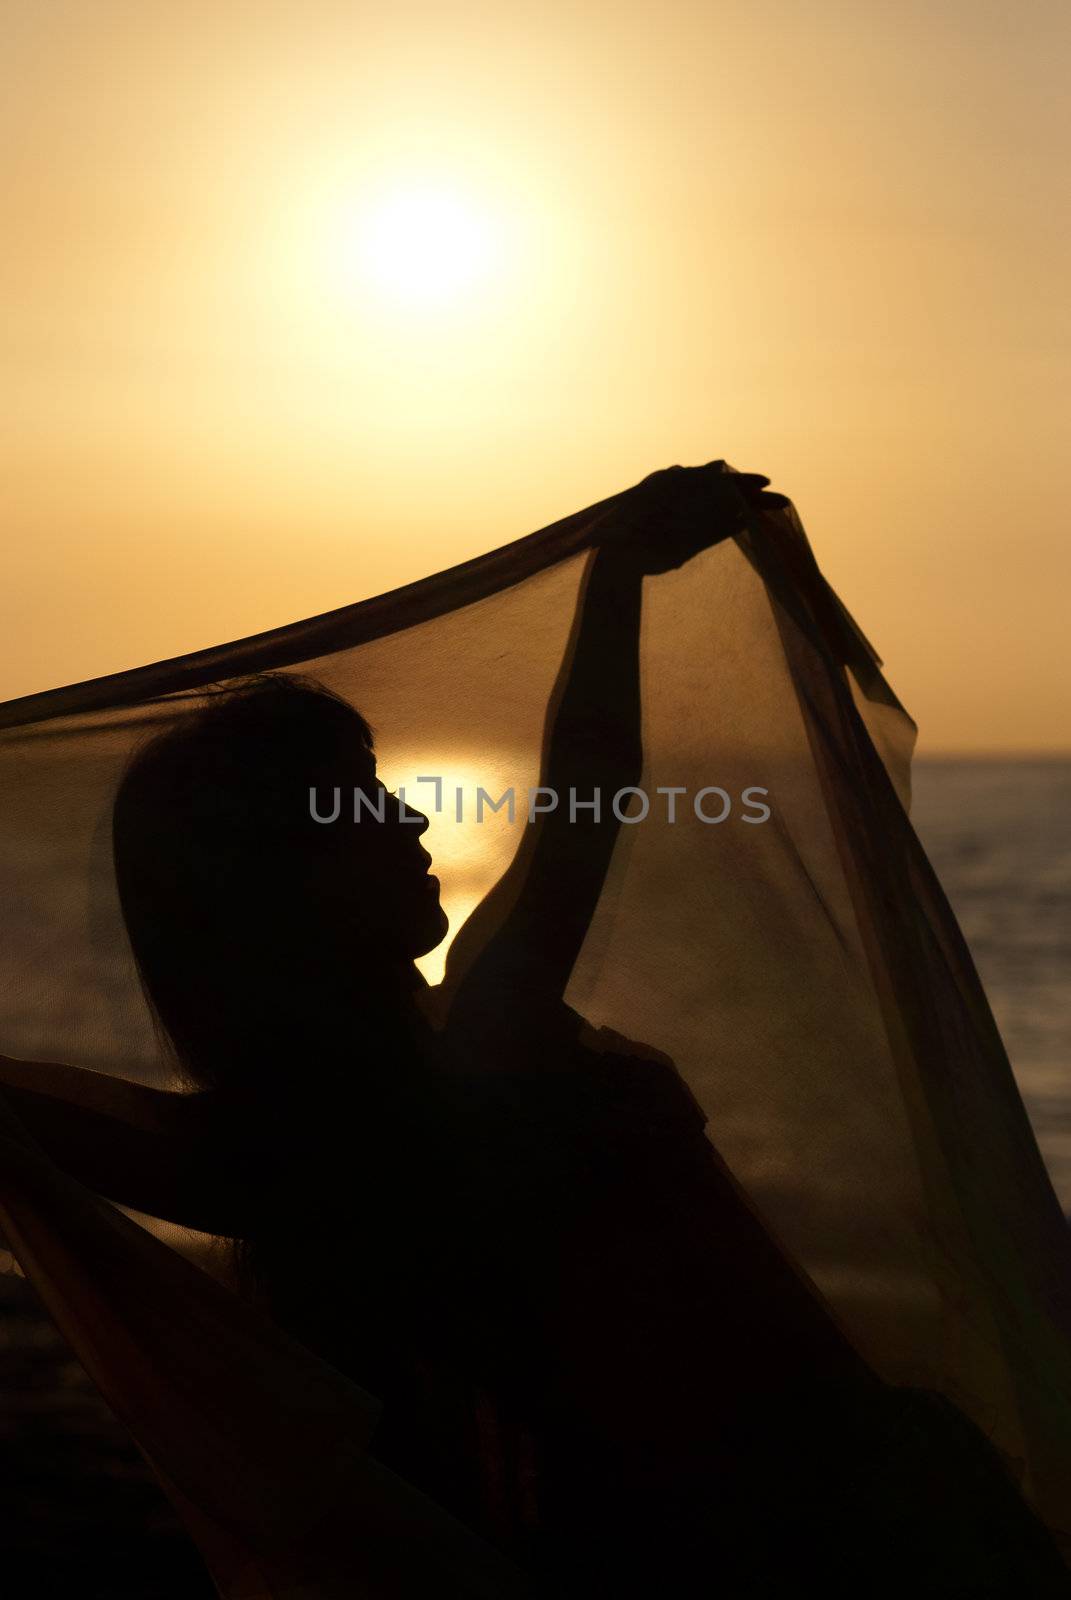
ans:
x=413 y=818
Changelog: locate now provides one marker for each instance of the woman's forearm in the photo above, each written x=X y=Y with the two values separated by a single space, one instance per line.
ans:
x=593 y=733
x=149 y=1149
x=101 y=1092
x=592 y=750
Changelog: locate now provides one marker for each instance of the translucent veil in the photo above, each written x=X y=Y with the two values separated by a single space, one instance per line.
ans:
x=802 y=969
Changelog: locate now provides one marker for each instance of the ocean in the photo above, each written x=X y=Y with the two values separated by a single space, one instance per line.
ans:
x=79 y=1512
x=998 y=834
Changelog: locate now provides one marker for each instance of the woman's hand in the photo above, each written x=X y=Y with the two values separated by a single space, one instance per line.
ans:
x=673 y=513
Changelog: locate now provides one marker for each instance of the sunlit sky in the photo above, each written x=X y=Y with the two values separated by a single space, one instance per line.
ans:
x=303 y=301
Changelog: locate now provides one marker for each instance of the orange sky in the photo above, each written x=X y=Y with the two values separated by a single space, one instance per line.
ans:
x=825 y=241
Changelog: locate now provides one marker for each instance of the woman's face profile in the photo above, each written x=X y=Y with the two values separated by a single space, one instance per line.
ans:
x=378 y=866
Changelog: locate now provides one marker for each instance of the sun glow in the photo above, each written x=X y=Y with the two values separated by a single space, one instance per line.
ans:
x=423 y=244
x=407 y=289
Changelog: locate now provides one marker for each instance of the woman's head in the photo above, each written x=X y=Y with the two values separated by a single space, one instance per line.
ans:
x=253 y=924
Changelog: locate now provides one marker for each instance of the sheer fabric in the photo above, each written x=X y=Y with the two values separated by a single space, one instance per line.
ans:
x=803 y=971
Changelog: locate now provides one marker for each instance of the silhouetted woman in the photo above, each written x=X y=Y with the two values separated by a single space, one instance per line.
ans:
x=510 y=1227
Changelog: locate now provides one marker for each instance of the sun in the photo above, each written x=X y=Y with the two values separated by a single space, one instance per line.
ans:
x=423 y=244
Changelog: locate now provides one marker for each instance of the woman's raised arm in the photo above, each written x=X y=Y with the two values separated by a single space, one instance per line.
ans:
x=521 y=943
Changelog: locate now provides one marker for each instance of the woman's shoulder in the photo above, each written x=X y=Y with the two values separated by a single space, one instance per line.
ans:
x=551 y=1060
x=638 y=1077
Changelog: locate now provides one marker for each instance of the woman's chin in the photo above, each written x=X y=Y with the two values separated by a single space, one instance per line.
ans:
x=435 y=931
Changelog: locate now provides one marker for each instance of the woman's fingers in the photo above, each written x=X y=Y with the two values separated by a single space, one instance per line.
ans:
x=754 y=486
